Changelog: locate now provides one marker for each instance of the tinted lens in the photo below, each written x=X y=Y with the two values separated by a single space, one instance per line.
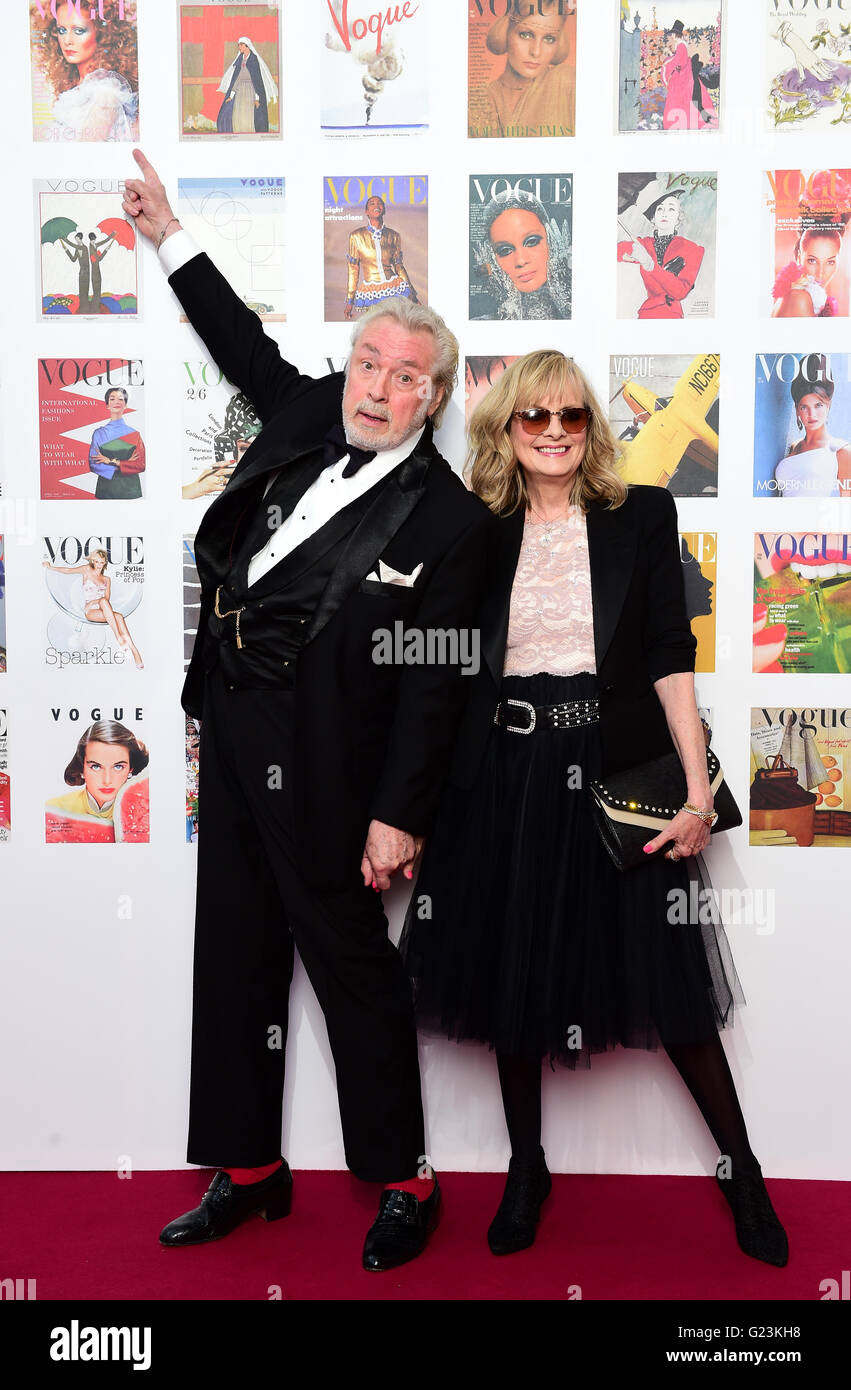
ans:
x=534 y=420
x=575 y=418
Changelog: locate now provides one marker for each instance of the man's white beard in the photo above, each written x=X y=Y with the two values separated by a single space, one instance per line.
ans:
x=368 y=439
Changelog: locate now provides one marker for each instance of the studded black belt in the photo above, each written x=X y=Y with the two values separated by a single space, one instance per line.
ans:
x=569 y=715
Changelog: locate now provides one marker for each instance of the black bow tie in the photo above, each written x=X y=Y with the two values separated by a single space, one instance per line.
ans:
x=335 y=445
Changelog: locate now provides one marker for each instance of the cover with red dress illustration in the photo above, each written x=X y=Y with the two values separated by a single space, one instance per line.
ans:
x=96 y=767
x=800 y=777
x=521 y=66
x=85 y=70
x=808 y=211
x=230 y=70
x=87 y=249
x=91 y=428
x=670 y=65
x=666 y=245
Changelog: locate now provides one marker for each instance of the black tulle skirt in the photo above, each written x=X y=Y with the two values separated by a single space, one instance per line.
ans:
x=522 y=934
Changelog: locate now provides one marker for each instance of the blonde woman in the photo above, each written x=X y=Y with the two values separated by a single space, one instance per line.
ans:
x=535 y=943
x=97 y=598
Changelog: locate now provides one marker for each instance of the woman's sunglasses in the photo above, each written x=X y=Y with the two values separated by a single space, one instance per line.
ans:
x=574 y=418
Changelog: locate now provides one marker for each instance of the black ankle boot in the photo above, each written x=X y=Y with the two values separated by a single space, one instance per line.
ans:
x=758 y=1227
x=527 y=1184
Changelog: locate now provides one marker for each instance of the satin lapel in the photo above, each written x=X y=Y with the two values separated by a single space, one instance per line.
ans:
x=611 y=554
x=218 y=530
x=497 y=604
x=376 y=529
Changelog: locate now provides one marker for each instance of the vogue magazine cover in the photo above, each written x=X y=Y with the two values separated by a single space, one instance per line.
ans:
x=219 y=425
x=522 y=69
x=94 y=587
x=91 y=428
x=87 y=249
x=480 y=374
x=664 y=411
x=799 y=774
x=802 y=424
x=374 y=66
x=85 y=69
x=808 y=65
x=802 y=602
x=699 y=555
x=240 y=223
x=666 y=245
x=376 y=242
x=230 y=71
x=521 y=235
x=670 y=65
x=95 y=765
x=808 y=214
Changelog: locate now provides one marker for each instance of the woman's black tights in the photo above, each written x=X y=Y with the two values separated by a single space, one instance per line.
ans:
x=702 y=1066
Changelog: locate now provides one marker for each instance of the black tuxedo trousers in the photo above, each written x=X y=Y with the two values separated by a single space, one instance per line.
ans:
x=254 y=906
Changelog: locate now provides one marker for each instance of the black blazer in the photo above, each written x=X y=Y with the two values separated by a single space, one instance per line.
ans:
x=641 y=628
x=372 y=741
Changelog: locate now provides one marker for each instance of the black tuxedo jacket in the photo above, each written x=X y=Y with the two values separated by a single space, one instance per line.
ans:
x=641 y=628
x=372 y=741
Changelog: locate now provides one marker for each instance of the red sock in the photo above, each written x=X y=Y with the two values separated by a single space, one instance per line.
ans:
x=422 y=1188
x=243 y=1176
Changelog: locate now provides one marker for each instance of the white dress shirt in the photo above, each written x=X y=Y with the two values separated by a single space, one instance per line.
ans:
x=331 y=491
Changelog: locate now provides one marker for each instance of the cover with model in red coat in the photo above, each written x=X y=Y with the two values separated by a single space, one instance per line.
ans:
x=666 y=245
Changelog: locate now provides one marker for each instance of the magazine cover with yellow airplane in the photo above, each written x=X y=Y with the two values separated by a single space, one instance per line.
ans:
x=664 y=412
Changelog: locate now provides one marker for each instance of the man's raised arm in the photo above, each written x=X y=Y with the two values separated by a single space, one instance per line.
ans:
x=232 y=332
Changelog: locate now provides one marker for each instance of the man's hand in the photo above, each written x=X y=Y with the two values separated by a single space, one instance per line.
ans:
x=146 y=201
x=387 y=850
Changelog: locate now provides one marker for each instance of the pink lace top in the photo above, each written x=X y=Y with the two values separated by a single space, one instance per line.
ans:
x=551 y=623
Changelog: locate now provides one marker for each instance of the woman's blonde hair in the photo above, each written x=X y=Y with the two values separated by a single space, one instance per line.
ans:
x=92 y=556
x=492 y=469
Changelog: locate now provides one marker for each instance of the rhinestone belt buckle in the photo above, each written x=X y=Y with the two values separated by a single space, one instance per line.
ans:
x=522 y=704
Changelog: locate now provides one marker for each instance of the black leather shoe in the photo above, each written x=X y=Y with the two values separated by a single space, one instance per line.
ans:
x=225 y=1204
x=758 y=1227
x=401 y=1229
x=527 y=1185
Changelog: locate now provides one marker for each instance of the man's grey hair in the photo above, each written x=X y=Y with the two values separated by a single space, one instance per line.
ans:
x=420 y=318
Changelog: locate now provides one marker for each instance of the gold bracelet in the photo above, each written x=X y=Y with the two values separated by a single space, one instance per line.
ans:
x=708 y=817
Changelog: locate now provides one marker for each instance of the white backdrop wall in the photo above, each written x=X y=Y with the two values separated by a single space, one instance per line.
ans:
x=95 y=1003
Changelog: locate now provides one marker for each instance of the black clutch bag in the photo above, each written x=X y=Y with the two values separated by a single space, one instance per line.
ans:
x=632 y=807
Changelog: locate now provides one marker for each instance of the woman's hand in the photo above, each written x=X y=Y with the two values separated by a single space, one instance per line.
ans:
x=146 y=201
x=685 y=836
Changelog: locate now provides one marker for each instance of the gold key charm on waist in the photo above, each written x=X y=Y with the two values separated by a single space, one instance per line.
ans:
x=228 y=613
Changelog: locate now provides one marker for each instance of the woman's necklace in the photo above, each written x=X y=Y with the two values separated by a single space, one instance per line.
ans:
x=546 y=532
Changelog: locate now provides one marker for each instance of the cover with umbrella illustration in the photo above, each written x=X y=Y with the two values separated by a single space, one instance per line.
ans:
x=88 y=249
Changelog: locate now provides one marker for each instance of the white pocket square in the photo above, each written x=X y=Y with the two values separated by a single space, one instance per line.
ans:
x=387 y=575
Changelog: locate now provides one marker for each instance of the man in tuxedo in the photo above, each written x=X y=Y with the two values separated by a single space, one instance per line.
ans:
x=320 y=767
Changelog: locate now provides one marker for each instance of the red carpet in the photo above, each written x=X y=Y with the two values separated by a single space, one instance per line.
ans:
x=93 y=1236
